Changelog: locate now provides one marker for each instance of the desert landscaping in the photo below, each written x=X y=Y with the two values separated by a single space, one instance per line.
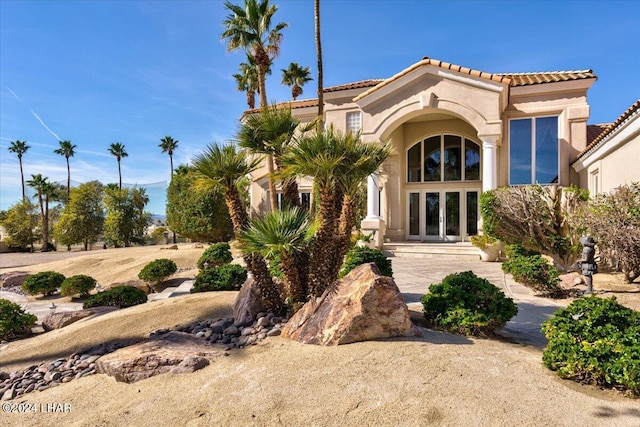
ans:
x=434 y=379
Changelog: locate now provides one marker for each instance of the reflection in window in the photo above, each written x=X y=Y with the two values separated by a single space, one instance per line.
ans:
x=432 y=159
x=452 y=158
x=472 y=213
x=442 y=158
x=533 y=151
x=452 y=199
x=414 y=159
x=471 y=160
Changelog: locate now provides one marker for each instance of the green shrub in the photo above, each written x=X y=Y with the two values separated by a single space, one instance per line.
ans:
x=79 y=284
x=121 y=296
x=467 y=304
x=45 y=282
x=228 y=277
x=533 y=271
x=14 y=322
x=216 y=255
x=156 y=271
x=595 y=341
x=362 y=255
x=274 y=267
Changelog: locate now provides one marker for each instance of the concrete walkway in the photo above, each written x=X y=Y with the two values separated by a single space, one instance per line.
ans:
x=413 y=276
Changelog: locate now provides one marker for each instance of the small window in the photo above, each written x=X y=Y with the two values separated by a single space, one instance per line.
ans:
x=594 y=187
x=354 y=122
x=533 y=151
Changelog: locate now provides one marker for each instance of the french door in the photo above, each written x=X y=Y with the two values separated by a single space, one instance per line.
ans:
x=442 y=215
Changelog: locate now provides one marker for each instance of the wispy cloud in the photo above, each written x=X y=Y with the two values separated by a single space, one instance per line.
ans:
x=45 y=126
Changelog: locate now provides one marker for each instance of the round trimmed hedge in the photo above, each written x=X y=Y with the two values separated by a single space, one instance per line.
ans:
x=120 y=296
x=228 y=277
x=215 y=255
x=467 y=304
x=45 y=282
x=79 y=284
x=156 y=271
x=359 y=255
x=14 y=322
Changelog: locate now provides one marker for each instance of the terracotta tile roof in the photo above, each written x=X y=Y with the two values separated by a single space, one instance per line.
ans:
x=631 y=111
x=355 y=85
x=525 y=79
x=593 y=131
x=303 y=103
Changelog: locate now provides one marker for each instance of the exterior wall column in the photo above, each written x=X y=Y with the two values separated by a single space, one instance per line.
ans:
x=373 y=197
x=372 y=224
x=489 y=162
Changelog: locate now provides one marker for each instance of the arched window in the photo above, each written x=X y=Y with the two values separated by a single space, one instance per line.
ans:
x=443 y=158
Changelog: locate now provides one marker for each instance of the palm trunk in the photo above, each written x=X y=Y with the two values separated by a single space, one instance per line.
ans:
x=171 y=163
x=324 y=245
x=22 y=177
x=273 y=195
x=68 y=180
x=119 y=175
x=255 y=263
x=316 y=14
x=45 y=226
x=290 y=196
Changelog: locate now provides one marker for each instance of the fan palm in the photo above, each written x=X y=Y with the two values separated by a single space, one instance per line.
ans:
x=46 y=192
x=19 y=148
x=247 y=80
x=286 y=235
x=250 y=29
x=338 y=163
x=225 y=168
x=271 y=132
x=67 y=150
x=117 y=149
x=296 y=76
x=168 y=144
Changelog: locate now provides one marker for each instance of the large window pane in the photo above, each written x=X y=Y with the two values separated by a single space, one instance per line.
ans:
x=520 y=151
x=432 y=217
x=547 y=150
x=432 y=159
x=452 y=213
x=414 y=214
x=471 y=160
x=414 y=160
x=472 y=213
x=452 y=158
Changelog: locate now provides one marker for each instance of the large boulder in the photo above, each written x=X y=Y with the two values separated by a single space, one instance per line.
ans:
x=140 y=284
x=60 y=320
x=248 y=303
x=174 y=352
x=362 y=306
x=13 y=278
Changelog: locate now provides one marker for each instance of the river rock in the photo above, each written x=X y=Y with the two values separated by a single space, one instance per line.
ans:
x=363 y=306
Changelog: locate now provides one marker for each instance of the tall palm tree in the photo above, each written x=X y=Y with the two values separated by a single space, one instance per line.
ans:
x=46 y=192
x=168 y=144
x=225 y=168
x=117 y=149
x=270 y=132
x=296 y=76
x=67 y=150
x=338 y=163
x=316 y=15
x=19 y=148
x=247 y=80
x=250 y=29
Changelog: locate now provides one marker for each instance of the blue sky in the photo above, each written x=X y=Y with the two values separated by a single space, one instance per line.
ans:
x=98 y=72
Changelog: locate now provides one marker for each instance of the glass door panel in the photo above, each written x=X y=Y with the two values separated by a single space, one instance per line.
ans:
x=452 y=213
x=472 y=213
x=432 y=214
x=414 y=215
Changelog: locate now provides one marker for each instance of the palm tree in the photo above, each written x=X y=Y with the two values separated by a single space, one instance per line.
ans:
x=117 y=149
x=46 y=192
x=338 y=163
x=270 y=132
x=296 y=76
x=247 y=80
x=168 y=144
x=19 y=148
x=224 y=168
x=66 y=150
x=283 y=235
x=316 y=15
x=249 y=28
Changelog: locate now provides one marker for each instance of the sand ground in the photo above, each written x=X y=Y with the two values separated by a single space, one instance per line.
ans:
x=438 y=379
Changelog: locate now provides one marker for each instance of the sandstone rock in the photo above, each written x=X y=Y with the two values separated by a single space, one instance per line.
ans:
x=172 y=247
x=362 y=306
x=60 y=320
x=570 y=280
x=173 y=352
x=248 y=303
x=13 y=278
x=136 y=283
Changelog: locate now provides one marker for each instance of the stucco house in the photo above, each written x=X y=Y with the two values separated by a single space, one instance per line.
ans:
x=455 y=133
